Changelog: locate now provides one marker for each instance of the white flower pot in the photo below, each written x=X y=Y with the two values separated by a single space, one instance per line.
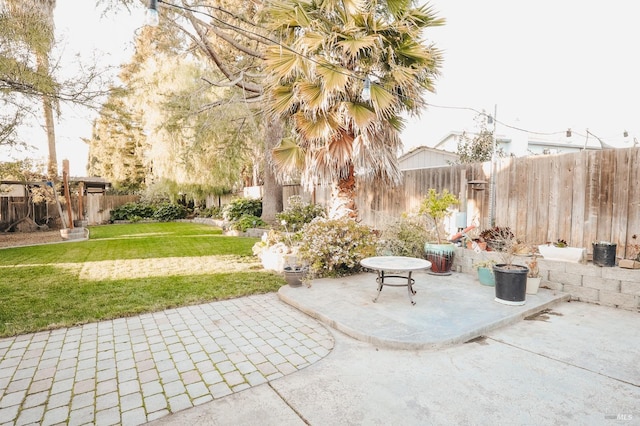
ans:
x=533 y=284
x=563 y=254
x=272 y=261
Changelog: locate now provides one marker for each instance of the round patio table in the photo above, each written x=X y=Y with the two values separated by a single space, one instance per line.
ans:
x=395 y=267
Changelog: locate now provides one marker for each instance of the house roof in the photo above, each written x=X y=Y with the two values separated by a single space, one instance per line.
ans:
x=424 y=148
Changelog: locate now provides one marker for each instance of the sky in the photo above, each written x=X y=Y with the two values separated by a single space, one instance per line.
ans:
x=542 y=67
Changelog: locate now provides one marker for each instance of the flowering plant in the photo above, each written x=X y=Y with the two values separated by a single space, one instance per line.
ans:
x=404 y=236
x=335 y=247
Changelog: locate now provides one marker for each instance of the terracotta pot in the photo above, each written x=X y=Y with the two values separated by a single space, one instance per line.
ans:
x=481 y=244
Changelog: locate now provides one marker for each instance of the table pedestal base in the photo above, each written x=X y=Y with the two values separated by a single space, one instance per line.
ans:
x=409 y=284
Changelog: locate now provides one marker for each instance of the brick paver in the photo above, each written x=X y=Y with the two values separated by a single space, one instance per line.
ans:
x=133 y=370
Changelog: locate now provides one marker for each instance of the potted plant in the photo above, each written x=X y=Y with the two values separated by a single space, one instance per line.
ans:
x=485 y=272
x=441 y=252
x=511 y=279
x=533 y=276
x=492 y=237
x=604 y=253
x=561 y=251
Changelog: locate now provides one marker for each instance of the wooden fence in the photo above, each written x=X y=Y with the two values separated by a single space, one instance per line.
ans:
x=578 y=197
x=99 y=206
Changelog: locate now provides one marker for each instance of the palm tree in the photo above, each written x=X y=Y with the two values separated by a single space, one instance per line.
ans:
x=329 y=51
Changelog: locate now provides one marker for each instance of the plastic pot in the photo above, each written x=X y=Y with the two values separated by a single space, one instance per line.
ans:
x=511 y=283
x=604 y=254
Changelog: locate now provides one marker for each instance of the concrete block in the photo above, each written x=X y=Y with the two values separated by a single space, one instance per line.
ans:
x=552 y=265
x=588 y=270
x=551 y=285
x=565 y=278
x=621 y=274
x=582 y=293
x=601 y=284
x=630 y=287
x=620 y=300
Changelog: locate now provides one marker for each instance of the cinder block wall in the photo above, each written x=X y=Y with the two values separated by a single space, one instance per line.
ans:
x=608 y=286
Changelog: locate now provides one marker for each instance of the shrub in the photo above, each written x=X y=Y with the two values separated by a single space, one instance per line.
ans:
x=495 y=237
x=168 y=212
x=242 y=206
x=247 y=221
x=298 y=213
x=335 y=247
x=405 y=236
x=131 y=211
x=213 y=212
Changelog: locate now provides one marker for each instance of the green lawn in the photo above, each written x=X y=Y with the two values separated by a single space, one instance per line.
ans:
x=124 y=270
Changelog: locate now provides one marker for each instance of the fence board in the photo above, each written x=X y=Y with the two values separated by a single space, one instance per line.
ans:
x=592 y=199
x=605 y=192
x=565 y=193
x=633 y=214
x=620 y=208
x=578 y=197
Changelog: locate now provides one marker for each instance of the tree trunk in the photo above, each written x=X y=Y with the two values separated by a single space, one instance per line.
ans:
x=47 y=107
x=343 y=197
x=272 y=190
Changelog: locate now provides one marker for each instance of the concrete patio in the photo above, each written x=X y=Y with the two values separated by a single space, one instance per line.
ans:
x=449 y=309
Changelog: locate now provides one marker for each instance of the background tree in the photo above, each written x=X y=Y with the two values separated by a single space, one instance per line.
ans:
x=117 y=146
x=330 y=51
x=228 y=36
x=479 y=147
x=29 y=36
x=31 y=87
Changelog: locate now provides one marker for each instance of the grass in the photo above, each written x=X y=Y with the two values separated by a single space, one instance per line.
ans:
x=125 y=270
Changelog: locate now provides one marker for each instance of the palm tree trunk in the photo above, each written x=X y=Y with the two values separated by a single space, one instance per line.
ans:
x=272 y=202
x=343 y=197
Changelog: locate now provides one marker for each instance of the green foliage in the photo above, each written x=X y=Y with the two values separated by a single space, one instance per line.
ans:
x=242 y=206
x=335 y=247
x=489 y=264
x=479 y=148
x=247 y=221
x=404 y=236
x=436 y=206
x=131 y=211
x=214 y=212
x=298 y=213
x=561 y=243
x=167 y=212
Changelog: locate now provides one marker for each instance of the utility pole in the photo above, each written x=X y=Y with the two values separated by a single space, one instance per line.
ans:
x=492 y=184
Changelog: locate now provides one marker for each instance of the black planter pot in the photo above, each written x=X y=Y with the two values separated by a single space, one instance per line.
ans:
x=604 y=254
x=511 y=283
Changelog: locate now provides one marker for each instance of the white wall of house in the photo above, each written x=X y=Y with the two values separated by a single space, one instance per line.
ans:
x=425 y=157
x=12 y=190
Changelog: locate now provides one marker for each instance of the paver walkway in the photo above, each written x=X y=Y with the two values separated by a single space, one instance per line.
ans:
x=132 y=370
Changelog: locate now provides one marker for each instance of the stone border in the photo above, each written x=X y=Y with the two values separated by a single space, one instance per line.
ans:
x=586 y=282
